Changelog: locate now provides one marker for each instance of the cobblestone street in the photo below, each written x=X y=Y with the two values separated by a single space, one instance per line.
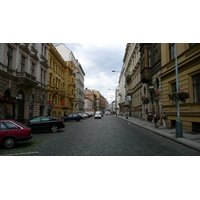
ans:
x=109 y=136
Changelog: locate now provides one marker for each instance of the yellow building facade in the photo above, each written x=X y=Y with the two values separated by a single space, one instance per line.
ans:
x=60 y=85
x=188 y=56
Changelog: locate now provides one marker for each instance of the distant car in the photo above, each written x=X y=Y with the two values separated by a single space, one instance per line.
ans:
x=98 y=115
x=107 y=113
x=45 y=123
x=73 y=117
x=12 y=132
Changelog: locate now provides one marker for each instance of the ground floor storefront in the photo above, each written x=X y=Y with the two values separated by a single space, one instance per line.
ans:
x=21 y=104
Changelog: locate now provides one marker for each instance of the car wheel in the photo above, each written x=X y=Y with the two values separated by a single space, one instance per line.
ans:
x=54 y=129
x=9 y=143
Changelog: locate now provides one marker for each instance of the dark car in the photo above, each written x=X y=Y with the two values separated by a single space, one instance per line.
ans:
x=45 y=123
x=12 y=132
x=73 y=117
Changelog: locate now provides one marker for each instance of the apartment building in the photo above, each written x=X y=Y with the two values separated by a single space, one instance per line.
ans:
x=93 y=97
x=23 y=80
x=61 y=85
x=188 y=60
x=87 y=103
x=150 y=78
x=133 y=84
x=78 y=72
x=120 y=93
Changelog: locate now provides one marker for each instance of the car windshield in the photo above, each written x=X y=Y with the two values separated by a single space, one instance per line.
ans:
x=98 y=113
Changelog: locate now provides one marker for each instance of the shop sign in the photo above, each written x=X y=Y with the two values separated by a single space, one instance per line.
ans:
x=128 y=98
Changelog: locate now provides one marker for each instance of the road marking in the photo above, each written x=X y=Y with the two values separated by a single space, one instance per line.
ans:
x=18 y=154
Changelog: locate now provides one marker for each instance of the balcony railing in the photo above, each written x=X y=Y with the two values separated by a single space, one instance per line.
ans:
x=26 y=79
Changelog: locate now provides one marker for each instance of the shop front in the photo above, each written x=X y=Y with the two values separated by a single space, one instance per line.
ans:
x=7 y=106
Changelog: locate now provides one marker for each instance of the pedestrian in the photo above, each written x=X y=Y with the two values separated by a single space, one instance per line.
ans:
x=155 y=119
x=164 y=119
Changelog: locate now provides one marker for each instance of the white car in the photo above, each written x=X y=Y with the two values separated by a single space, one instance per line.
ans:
x=98 y=115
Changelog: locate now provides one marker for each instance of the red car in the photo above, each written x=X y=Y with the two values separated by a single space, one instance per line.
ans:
x=12 y=132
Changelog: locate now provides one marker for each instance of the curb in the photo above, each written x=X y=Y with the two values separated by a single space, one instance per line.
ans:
x=183 y=141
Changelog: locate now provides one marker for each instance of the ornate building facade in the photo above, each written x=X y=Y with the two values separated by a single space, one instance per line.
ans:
x=23 y=77
x=188 y=57
x=150 y=77
x=133 y=83
x=61 y=85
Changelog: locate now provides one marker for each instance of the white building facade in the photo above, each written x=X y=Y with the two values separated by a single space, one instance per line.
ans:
x=133 y=84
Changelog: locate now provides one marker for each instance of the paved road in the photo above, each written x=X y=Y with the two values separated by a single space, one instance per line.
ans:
x=109 y=136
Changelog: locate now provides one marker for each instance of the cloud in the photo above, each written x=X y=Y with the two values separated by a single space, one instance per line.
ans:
x=98 y=60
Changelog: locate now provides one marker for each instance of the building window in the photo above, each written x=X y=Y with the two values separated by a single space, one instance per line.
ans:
x=22 y=64
x=9 y=57
x=41 y=80
x=145 y=91
x=196 y=86
x=172 y=50
x=42 y=49
x=44 y=79
x=32 y=69
x=149 y=58
x=45 y=51
x=191 y=44
x=157 y=83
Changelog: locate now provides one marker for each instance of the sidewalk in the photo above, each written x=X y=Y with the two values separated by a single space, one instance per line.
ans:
x=189 y=139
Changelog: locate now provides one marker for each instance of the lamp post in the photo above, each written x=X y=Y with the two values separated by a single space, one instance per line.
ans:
x=179 y=131
x=115 y=71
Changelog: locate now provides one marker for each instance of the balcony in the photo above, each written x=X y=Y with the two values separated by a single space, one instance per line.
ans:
x=25 y=47
x=26 y=79
x=43 y=61
x=146 y=74
x=34 y=53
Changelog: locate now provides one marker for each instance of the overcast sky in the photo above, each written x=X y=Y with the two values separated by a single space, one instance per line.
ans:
x=98 y=60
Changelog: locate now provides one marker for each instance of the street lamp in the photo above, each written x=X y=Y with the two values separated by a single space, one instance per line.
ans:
x=179 y=132
x=115 y=71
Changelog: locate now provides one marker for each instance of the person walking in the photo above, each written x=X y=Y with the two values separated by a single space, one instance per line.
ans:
x=155 y=119
x=164 y=119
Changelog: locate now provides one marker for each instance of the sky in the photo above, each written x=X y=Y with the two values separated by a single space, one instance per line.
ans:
x=98 y=60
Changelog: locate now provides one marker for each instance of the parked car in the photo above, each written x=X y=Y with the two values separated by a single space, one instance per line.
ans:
x=83 y=115
x=90 y=113
x=73 y=117
x=11 y=132
x=45 y=123
x=98 y=115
